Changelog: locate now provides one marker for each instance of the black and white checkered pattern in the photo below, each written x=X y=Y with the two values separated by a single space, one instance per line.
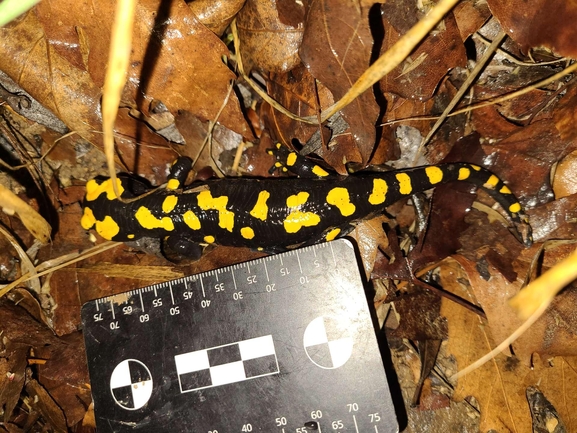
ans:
x=226 y=364
x=131 y=384
x=328 y=342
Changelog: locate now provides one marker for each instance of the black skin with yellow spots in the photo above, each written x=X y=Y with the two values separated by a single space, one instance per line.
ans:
x=271 y=214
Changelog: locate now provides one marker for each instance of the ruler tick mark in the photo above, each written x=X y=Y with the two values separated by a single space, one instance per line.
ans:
x=248 y=267
x=141 y=301
x=171 y=294
x=333 y=252
x=299 y=260
x=112 y=309
x=201 y=286
x=233 y=279
x=266 y=272
x=356 y=426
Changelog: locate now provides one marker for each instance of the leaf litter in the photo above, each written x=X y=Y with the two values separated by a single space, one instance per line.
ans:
x=443 y=281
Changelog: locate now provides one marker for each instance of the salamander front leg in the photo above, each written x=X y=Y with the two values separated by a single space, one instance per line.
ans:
x=179 y=172
x=288 y=160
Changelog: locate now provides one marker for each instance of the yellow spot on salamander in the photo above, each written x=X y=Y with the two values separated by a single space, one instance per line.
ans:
x=131 y=236
x=319 y=171
x=277 y=164
x=514 y=208
x=291 y=159
x=297 y=199
x=260 y=209
x=107 y=228
x=225 y=217
x=172 y=184
x=332 y=234
x=169 y=203
x=94 y=189
x=491 y=182
x=87 y=220
x=405 y=186
x=379 y=194
x=464 y=173
x=149 y=221
x=209 y=239
x=505 y=190
x=297 y=219
x=475 y=167
x=340 y=198
x=191 y=220
x=247 y=232
x=435 y=174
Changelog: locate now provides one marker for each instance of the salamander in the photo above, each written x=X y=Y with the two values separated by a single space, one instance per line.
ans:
x=271 y=214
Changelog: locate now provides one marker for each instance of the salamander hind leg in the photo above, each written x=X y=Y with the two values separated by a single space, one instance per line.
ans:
x=178 y=247
x=290 y=161
x=331 y=234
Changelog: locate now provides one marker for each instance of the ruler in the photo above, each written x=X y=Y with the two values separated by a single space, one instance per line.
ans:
x=280 y=344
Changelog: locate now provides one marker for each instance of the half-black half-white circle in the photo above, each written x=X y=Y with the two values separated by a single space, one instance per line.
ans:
x=328 y=342
x=131 y=384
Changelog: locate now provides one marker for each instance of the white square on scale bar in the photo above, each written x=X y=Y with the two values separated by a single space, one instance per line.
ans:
x=192 y=361
x=256 y=347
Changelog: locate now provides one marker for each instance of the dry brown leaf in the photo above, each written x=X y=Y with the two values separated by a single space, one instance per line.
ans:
x=419 y=75
x=216 y=14
x=555 y=220
x=499 y=386
x=369 y=236
x=337 y=49
x=539 y=146
x=552 y=335
x=539 y=23
x=295 y=90
x=11 y=204
x=565 y=180
x=268 y=43
x=470 y=16
x=58 y=52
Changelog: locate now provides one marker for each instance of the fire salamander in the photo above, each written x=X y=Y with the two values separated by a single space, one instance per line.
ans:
x=270 y=214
